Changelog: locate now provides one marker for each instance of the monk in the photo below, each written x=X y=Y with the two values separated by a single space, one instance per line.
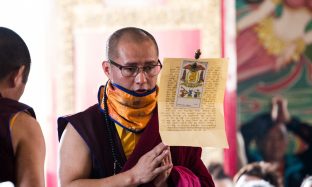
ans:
x=116 y=142
x=22 y=147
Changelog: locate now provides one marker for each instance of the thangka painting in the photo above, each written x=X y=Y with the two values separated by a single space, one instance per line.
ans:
x=274 y=57
x=274 y=54
x=191 y=83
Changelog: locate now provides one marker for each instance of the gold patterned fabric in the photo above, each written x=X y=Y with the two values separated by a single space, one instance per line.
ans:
x=273 y=44
x=132 y=112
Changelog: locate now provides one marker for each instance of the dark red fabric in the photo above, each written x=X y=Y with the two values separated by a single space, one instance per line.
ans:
x=91 y=126
x=8 y=108
x=188 y=169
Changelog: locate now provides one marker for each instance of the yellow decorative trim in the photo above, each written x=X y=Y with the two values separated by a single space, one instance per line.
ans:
x=300 y=48
x=273 y=44
x=268 y=39
x=12 y=120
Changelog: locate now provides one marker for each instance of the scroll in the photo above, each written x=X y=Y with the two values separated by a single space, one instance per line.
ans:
x=190 y=102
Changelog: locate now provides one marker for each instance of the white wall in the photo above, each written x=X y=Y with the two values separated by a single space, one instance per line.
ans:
x=32 y=20
x=28 y=19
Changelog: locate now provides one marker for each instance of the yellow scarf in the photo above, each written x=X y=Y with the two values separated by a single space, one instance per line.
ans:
x=129 y=109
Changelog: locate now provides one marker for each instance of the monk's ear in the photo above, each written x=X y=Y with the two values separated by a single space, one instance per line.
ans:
x=106 y=68
x=16 y=77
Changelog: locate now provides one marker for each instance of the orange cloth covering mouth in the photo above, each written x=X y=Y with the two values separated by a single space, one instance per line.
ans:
x=127 y=108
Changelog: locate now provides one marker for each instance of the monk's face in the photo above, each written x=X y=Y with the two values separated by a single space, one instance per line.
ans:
x=138 y=54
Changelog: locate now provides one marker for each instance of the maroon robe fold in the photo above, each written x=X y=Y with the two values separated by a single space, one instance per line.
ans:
x=188 y=168
x=8 y=108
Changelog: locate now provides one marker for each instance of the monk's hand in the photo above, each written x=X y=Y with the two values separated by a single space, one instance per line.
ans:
x=279 y=111
x=161 y=179
x=150 y=165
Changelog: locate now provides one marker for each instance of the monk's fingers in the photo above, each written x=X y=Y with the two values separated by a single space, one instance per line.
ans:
x=156 y=151
x=161 y=158
x=162 y=169
x=167 y=159
x=169 y=156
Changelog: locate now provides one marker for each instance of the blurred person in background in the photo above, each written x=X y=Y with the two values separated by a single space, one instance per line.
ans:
x=269 y=132
x=258 y=174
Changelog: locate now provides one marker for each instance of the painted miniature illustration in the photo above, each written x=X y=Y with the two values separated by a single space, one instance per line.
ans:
x=190 y=84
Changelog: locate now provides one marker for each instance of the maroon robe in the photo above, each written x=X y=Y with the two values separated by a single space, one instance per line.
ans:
x=8 y=108
x=188 y=169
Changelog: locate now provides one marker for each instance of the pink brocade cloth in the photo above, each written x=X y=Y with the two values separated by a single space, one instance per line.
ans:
x=183 y=177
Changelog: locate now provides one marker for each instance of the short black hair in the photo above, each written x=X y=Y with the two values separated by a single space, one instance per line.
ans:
x=133 y=33
x=14 y=53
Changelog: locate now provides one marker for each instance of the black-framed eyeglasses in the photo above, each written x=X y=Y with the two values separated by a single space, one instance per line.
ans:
x=132 y=71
